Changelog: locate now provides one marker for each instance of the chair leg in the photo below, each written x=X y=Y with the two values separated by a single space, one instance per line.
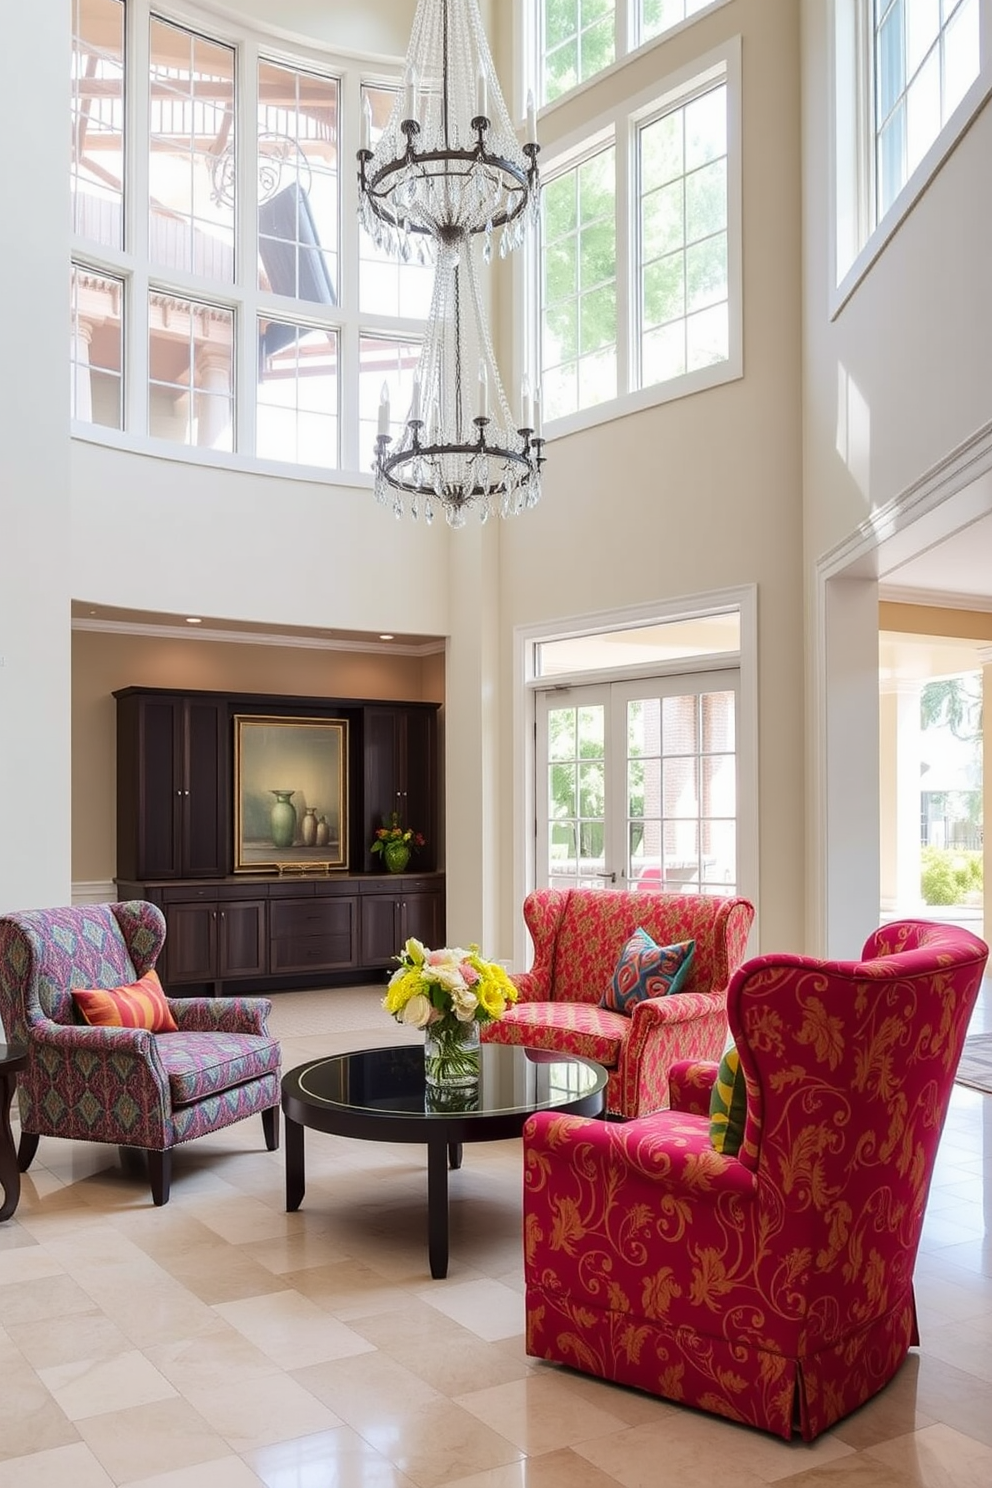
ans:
x=270 y=1125
x=27 y=1147
x=160 y=1175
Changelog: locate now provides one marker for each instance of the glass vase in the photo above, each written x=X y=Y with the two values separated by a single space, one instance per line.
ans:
x=451 y=1054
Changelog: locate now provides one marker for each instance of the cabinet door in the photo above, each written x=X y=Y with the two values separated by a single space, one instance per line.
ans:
x=400 y=774
x=157 y=742
x=172 y=787
x=381 y=937
x=241 y=941
x=191 y=943
x=421 y=918
x=205 y=797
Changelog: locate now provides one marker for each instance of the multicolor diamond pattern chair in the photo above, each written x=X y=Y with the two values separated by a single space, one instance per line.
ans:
x=126 y=1085
x=774 y=1287
x=579 y=936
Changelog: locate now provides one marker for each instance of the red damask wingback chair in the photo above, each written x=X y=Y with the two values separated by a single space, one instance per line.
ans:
x=129 y=1086
x=578 y=935
x=775 y=1287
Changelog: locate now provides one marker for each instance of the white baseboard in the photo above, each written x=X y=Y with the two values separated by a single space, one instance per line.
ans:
x=99 y=891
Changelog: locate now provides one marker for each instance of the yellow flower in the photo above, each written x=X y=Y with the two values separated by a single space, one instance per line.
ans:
x=403 y=985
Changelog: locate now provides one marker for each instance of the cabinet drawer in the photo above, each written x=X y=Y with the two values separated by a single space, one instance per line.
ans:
x=311 y=917
x=312 y=952
x=398 y=884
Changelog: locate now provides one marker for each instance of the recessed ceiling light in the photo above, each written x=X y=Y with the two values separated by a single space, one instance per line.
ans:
x=387 y=638
x=193 y=620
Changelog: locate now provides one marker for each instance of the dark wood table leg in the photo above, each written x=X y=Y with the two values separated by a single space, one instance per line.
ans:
x=437 y=1204
x=295 y=1177
x=454 y=1155
x=10 y=1178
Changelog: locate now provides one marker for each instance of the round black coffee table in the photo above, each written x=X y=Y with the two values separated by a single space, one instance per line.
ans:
x=380 y=1095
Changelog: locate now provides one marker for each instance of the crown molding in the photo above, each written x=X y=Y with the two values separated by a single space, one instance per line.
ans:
x=961 y=476
x=934 y=599
x=256 y=638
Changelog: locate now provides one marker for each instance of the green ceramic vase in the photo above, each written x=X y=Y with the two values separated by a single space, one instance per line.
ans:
x=397 y=855
x=283 y=819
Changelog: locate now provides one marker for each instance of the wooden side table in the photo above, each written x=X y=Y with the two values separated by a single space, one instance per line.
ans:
x=13 y=1057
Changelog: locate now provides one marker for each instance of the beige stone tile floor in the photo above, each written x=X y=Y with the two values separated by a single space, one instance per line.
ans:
x=220 y=1342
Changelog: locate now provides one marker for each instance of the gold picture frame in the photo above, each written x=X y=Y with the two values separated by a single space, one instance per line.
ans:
x=290 y=794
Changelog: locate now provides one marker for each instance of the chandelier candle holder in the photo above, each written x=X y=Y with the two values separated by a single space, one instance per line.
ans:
x=460 y=448
x=448 y=165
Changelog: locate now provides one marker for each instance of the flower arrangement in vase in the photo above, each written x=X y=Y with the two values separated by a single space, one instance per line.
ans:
x=448 y=993
x=395 y=843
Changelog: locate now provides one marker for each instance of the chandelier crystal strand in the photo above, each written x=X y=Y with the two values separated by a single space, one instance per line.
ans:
x=460 y=446
x=448 y=164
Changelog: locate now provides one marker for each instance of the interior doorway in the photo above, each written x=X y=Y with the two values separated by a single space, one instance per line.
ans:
x=931 y=773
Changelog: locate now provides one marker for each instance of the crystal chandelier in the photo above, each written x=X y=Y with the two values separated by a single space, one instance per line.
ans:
x=447 y=173
x=460 y=449
x=447 y=165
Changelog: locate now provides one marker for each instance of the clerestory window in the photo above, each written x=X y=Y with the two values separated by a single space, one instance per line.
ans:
x=578 y=39
x=909 y=76
x=223 y=295
x=639 y=264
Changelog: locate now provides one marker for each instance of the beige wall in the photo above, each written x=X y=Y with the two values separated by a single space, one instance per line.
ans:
x=35 y=544
x=103 y=662
x=934 y=620
x=704 y=492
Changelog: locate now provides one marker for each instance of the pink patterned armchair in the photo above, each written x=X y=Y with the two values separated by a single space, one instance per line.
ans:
x=775 y=1287
x=126 y=1085
x=578 y=935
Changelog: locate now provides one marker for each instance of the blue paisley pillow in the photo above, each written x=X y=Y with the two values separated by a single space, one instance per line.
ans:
x=646 y=970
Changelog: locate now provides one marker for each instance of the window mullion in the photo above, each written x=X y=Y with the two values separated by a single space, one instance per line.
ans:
x=138 y=115
x=350 y=104
x=246 y=255
x=626 y=238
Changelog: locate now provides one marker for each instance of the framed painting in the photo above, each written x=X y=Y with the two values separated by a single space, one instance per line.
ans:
x=290 y=793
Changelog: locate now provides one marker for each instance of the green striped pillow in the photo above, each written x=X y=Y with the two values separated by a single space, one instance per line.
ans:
x=728 y=1105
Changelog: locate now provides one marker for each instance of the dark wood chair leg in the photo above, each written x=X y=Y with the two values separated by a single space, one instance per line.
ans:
x=26 y=1149
x=160 y=1175
x=270 y=1125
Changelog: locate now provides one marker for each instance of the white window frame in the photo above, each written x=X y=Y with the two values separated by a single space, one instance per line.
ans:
x=243 y=297
x=627 y=44
x=722 y=64
x=526 y=685
x=858 y=237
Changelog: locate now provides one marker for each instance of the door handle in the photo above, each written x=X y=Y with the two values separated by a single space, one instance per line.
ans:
x=611 y=876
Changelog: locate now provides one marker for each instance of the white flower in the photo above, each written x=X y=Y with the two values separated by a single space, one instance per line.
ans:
x=464 y=1002
x=448 y=976
x=416 y=951
x=417 y=1011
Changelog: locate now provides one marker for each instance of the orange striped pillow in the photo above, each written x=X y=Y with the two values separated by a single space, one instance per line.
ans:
x=143 y=1004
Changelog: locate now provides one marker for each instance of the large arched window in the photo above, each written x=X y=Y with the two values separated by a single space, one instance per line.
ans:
x=223 y=294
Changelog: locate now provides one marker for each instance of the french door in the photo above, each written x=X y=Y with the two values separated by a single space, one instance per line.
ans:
x=637 y=784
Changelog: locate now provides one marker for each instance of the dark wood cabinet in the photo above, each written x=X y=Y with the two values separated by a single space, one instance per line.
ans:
x=401 y=774
x=173 y=786
x=214 y=940
x=258 y=932
x=395 y=912
x=316 y=933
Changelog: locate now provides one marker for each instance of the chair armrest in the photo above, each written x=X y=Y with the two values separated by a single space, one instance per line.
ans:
x=666 y=1153
x=531 y=987
x=680 y=1007
x=690 y=1085
x=136 y=1062
x=221 y=1014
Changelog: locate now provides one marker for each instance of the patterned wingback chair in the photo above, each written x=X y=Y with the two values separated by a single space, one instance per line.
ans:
x=578 y=935
x=126 y=1085
x=775 y=1287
